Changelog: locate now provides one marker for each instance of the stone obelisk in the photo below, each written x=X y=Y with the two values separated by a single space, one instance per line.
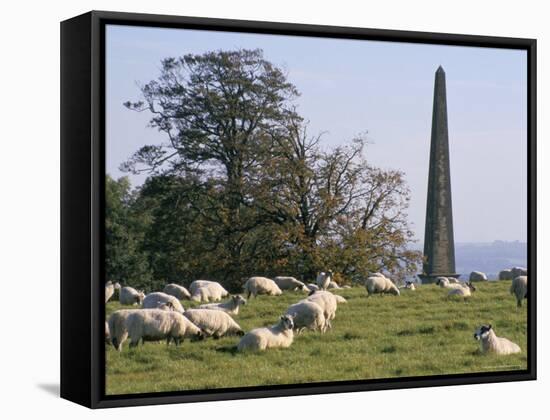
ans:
x=439 y=248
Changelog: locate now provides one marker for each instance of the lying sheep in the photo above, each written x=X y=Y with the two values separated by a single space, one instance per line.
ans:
x=213 y=323
x=490 y=343
x=130 y=296
x=312 y=287
x=328 y=303
x=179 y=292
x=478 y=276
x=231 y=306
x=346 y=286
x=159 y=300
x=519 y=289
x=408 y=285
x=290 y=283
x=118 y=330
x=279 y=335
x=461 y=291
x=442 y=281
x=324 y=279
x=110 y=290
x=156 y=324
x=307 y=315
x=381 y=285
x=261 y=286
x=505 y=275
x=518 y=271
x=207 y=291
x=333 y=285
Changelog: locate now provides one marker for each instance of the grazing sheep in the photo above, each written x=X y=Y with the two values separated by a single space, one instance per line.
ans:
x=462 y=291
x=505 y=275
x=518 y=271
x=214 y=323
x=130 y=296
x=307 y=314
x=290 y=283
x=156 y=324
x=279 y=335
x=207 y=291
x=158 y=299
x=179 y=292
x=110 y=290
x=490 y=343
x=478 y=276
x=519 y=289
x=333 y=285
x=328 y=303
x=381 y=285
x=118 y=330
x=312 y=287
x=324 y=279
x=261 y=286
x=231 y=306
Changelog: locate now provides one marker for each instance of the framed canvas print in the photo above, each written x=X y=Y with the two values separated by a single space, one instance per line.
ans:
x=254 y=209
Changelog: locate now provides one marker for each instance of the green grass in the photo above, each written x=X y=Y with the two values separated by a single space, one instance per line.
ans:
x=416 y=334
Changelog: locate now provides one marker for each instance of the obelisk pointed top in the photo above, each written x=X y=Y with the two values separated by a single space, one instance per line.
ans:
x=440 y=70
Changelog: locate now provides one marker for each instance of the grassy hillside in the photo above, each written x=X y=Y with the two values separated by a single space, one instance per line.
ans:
x=418 y=333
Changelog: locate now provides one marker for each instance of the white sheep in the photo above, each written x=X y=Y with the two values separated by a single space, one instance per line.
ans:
x=328 y=303
x=214 y=323
x=312 y=287
x=307 y=314
x=110 y=288
x=290 y=283
x=118 y=330
x=464 y=291
x=505 y=275
x=478 y=276
x=279 y=335
x=177 y=291
x=518 y=271
x=207 y=291
x=346 y=286
x=333 y=285
x=324 y=279
x=442 y=282
x=381 y=285
x=156 y=324
x=340 y=299
x=409 y=285
x=159 y=300
x=519 y=289
x=231 y=306
x=130 y=296
x=490 y=343
x=261 y=286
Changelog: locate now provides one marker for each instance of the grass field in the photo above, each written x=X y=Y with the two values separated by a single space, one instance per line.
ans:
x=418 y=333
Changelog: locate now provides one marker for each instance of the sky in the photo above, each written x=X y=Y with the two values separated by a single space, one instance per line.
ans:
x=384 y=89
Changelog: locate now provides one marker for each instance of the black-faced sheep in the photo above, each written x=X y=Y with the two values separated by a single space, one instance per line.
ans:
x=490 y=343
x=519 y=289
x=290 y=283
x=179 y=292
x=159 y=300
x=207 y=291
x=255 y=286
x=156 y=324
x=130 y=296
x=279 y=335
x=231 y=306
x=214 y=323
x=381 y=285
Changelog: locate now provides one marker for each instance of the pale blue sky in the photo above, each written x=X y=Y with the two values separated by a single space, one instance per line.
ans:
x=350 y=87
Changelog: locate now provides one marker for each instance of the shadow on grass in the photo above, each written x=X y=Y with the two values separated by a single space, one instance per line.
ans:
x=232 y=350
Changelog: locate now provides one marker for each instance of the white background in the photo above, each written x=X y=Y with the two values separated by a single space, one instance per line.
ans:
x=29 y=210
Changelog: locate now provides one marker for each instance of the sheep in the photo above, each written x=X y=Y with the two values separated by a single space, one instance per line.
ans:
x=324 y=279
x=279 y=335
x=462 y=291
x=333 y=285
x=290 y=283
x=261 y=286
x=214 y=323
x=307 y=314
x=110 y=290
x=231 y=306
x=478 y=276
x=177 y=291
x=340 y=299
x=408 y=285
x=519 y=289
x=312 y=287
x=346 y=286
x=328 y=303
x=158 y=299
x=206 y=291
x=118 y=330
x=130 y=296
x=156 y=324
x=107 y=334
x=442 y=282
x=505 y=275
x=490 y=343
x=518 y=271
x=381 y=285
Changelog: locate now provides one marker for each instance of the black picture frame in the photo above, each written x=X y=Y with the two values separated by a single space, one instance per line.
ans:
x=82 y=206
